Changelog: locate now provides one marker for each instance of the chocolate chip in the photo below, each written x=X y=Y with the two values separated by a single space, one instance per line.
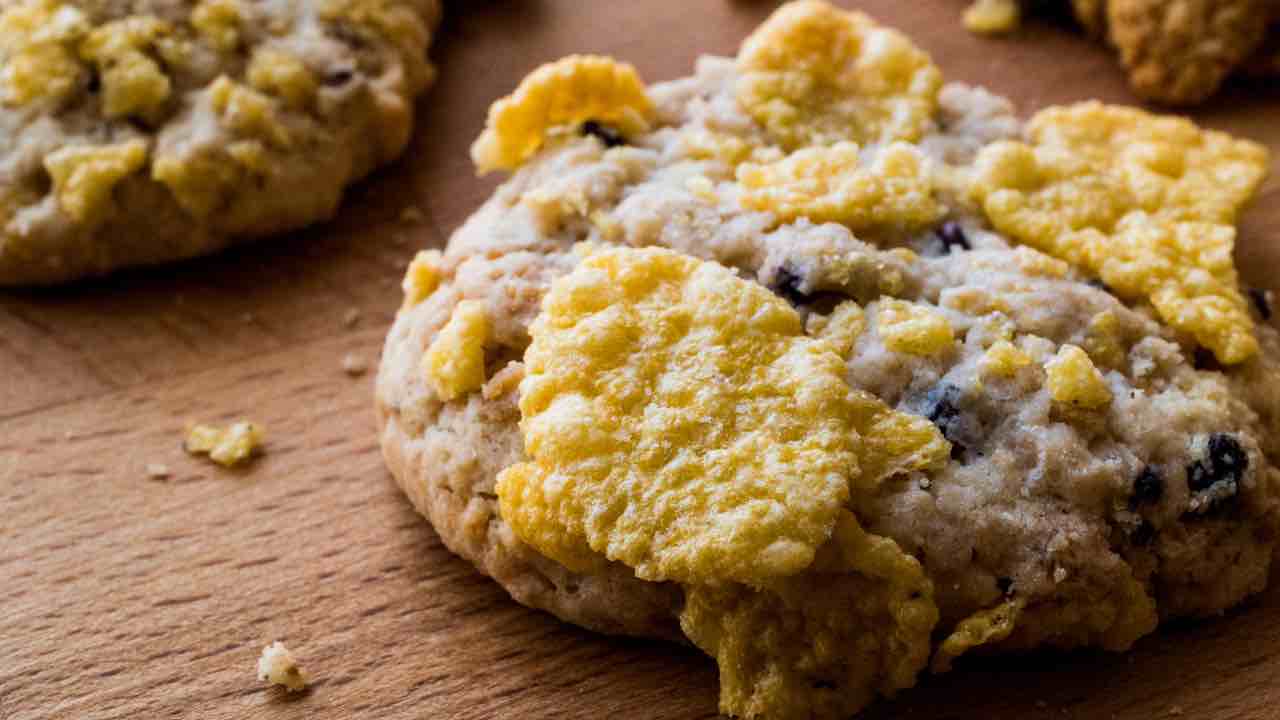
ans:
x=1261 y=301
x=1143 y=534
x=338 y=77
x=95 y=82
x=952 y=236
x=786 y=283
x=1204 y=359
x=942 y=407
x=1148 y=487
x=1004 y=584
x=1097 y=283
x=606 y=134
x=1226 y=462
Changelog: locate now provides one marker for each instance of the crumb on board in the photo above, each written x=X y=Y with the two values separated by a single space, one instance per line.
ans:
x=412 y=214
x=157 y=471
x=351 y=317
x=226 y=446
x=992 y=17
x=354 y=365
x=278 y=667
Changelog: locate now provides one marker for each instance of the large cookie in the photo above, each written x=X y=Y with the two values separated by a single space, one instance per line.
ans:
x=1062 y=410
x=141 y=131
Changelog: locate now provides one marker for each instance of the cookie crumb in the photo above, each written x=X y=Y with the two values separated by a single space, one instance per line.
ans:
x=351 y=318
x=248 y=318
x=157 y=471
x=225 y=446
x=354 y=365
x=1175 y=710
x=278 y=667
x=412 y=214
x=992 y=17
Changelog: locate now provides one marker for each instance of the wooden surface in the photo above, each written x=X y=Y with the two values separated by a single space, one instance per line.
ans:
x=128 y=597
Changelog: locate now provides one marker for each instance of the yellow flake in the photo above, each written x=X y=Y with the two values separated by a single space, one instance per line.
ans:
x=702 y=188
x=841 y=328
x=248 y=111
x=199 y=182
x=1033 y=262
x=1143 y=201
x=913 y=328
x=422 y=278
x=454 y=364
x=84 y=175
x=822 y=643
x=991 y=17
x=678 y=420
x=132 y=82
x=816 y=75
x=984 y=627
x=398 y=21
x=1004 y=359
x=278 y=667
x=829 y=184
x=225 y=446
x=1103 y=340
x=1073 y=379
x=218 y=22
x=893 y=443
x=283 y=75
x=36 y=61
x=561 y=94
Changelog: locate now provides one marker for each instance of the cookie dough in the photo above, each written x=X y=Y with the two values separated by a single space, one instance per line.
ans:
x=151 y=130
x=1042 y=410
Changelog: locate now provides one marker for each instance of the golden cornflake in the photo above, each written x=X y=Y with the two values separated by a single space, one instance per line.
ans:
x=816 y=75
x=84 y=175
x=823 y=643
x=913 y=328
x=1145 y=202
x=422 y=278
x=832 y=185
x=225 y=446
x=1073 y=379
x=561 y=94
x=984 y=627
x=454 y=364
x=679 y=421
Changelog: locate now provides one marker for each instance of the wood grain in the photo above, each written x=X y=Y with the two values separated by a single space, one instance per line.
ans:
x=126 y=597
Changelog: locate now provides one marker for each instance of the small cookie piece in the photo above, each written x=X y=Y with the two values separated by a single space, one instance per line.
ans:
x=226 y=446
x=134 y=133
x=993 y=17
x=277 y=666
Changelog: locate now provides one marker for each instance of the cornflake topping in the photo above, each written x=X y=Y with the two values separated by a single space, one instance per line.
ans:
x=1147 y=203
x=561 y=94
x=679 y=421
x=816 y=75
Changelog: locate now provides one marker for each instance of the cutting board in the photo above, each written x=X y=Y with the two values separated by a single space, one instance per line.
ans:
x=123 y=596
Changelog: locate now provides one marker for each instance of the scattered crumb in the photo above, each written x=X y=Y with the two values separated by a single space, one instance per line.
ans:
x=1059 y=574
x=412 y=214
x=278 y=667
x=991 y=17
x=351 y=317
x=1175 y=710
x=157 y=471
x=225 y=446
x=68 y=435
x=354 y=365
x=247 y=318
x=1042 y=704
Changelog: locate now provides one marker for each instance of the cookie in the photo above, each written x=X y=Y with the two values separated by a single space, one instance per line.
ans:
x=145 y=131
x=839 y=372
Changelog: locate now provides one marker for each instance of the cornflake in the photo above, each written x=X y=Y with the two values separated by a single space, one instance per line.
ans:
x=816 y=75
x=561 y=94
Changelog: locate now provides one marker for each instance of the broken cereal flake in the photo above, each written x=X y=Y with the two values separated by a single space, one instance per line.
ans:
x=422 y=277
x=981 y=628
x=278 y=667
x=893 y=189
x=679 y=421
x=816 y=75
x=225 y=446
x=821 y=644
x=1146 y=203
x=992 y=17
x=561 y=94
x=454 y=363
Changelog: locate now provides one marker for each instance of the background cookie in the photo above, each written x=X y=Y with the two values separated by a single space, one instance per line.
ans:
x=145 y=131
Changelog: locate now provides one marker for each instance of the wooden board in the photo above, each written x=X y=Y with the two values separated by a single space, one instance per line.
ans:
x=127 y=597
